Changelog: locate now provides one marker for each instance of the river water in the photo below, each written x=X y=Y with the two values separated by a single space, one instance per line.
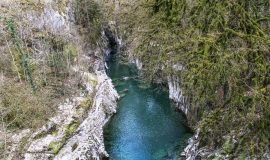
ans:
x=146 y=126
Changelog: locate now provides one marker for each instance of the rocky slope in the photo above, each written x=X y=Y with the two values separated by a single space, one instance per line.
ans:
x=212 y=56
x=75 y=131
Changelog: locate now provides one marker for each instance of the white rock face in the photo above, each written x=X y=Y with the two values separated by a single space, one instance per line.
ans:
x=89 y=136
x=50 y=20
x=86 y=142
x=138 y=63
x=191 y=151
x=175 y=91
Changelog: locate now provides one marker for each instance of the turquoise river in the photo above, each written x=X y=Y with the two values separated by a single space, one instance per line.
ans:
x=146 y=125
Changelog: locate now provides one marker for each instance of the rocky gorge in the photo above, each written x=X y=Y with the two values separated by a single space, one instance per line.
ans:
x=56 y=59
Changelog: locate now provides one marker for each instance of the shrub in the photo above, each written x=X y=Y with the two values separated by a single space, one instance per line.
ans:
x=88 y=16
x=19 y=108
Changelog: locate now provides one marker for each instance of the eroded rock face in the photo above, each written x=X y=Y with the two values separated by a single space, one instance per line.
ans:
x=76 y=130
x=176 y=94
x=73 y=139
x=50 y=19
x=88 y=143
x=191 y=151
x=138 y=63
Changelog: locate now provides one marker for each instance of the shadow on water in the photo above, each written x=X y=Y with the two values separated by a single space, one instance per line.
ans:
x=146 y=126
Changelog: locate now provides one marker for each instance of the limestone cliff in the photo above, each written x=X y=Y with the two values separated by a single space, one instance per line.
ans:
x=75 y=131
x=212 y=56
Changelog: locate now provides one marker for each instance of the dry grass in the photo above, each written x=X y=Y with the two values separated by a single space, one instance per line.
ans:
x=19 y=108
x=44 y=57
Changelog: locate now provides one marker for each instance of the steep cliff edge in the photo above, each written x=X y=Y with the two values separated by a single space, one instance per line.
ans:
x=80 y=121
x=213 y=56
x=44 y=47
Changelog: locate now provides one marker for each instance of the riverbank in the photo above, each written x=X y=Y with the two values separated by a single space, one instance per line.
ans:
x=51 y=34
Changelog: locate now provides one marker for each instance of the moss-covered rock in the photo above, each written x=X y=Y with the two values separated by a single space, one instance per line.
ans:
x=71 y=128
x=55 y=146
x=87 y=103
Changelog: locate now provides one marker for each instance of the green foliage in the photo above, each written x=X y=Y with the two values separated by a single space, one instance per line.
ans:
x=88 y=16
x=71 y=128
x=224 y=48
x=228 y=146
x=21 y=56
x=39 y=60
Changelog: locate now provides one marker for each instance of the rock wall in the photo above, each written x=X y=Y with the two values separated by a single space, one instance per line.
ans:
x=176 y=94
x=76 y=130
x=191 y=151
x=76 y=137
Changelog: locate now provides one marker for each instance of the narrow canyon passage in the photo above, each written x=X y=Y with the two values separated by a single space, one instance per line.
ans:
x=146 y=126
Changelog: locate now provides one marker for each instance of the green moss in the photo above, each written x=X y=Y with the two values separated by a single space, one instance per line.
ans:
x=53 y=130
x=94 y=82
x=55 y=146
x=71 y=128
x=87 y=103
x=92 y=79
